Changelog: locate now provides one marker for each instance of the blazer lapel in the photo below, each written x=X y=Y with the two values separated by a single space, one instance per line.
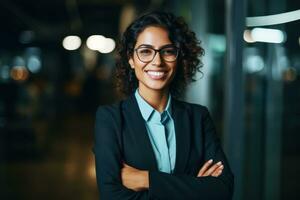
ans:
x=137 y=127
x=182 y=130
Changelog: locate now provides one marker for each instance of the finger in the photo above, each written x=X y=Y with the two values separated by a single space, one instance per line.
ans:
x=205 y=167
x=221 y=167
x=212 y=169
x=218 y=171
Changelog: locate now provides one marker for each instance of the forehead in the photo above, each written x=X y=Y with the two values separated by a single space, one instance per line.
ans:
x=154 y=36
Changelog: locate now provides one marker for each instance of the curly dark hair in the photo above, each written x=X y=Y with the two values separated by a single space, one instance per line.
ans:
x=188 y=61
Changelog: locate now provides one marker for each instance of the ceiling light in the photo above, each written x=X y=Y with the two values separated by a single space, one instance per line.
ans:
x=95 y=42
x=264 y=35
x=71 y=42
x=108 y=46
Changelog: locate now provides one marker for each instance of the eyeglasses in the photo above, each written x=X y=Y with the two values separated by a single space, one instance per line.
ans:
x=147 y=54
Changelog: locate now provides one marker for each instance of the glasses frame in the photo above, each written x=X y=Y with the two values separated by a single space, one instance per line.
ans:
x=156 y=51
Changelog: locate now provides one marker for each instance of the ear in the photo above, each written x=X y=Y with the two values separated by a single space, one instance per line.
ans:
x=130 y=61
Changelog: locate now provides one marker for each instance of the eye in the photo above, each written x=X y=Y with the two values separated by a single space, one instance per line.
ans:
x=145 y=51
x=170 y=51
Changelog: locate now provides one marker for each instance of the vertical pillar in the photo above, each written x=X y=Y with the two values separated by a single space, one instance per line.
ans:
x=234 y=135
x=273 y=124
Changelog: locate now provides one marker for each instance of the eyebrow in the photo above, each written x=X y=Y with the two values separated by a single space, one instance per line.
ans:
x=148 y=45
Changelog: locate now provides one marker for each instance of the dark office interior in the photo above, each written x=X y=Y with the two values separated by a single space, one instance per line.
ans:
x=49 y=92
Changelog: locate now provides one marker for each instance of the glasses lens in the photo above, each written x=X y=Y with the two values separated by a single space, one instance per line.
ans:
x=169 y=53
x=145 y=54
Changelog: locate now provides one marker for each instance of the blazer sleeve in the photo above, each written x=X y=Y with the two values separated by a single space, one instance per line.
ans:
x=108 y=159
x=182 y=186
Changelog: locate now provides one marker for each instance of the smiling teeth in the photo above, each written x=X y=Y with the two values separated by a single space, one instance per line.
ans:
x=153 y=73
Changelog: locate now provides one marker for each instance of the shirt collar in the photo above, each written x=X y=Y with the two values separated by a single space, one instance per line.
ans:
x=147 y=110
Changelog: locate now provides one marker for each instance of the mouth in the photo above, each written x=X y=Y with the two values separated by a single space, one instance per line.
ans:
x=156 y=75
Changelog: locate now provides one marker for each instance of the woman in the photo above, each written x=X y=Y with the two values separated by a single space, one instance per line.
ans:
x=150 y=145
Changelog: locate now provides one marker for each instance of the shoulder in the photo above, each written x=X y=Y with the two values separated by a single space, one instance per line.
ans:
x=109 y=113
x=107 y=121
x=108 y=109
x=117 y=107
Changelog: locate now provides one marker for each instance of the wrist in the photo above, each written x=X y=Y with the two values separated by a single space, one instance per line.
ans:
x=145 y=179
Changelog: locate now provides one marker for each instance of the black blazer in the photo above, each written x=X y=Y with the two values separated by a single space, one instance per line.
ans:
x=121 y=136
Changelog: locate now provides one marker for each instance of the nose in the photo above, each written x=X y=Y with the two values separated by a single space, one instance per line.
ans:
x=156 y=60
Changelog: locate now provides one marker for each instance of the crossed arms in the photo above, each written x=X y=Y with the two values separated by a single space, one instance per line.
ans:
x=117 y=180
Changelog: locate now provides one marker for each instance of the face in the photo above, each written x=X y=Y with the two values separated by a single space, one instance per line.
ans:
x=156 y=74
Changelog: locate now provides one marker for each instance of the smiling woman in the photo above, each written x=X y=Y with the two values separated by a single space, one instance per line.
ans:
x=150 y=145
x=154 y=71
x=176 y=33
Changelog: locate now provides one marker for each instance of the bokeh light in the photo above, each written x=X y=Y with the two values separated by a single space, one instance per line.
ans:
x=19 y=73
x=109 y=46
x=34 y=64
x=71 y=42
x=100 y=43
x=95 y=42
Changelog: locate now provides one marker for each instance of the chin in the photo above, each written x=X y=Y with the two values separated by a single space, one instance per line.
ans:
x=158 y=87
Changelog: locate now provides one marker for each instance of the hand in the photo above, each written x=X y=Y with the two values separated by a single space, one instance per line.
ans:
x=208 y=170
x=134 y=179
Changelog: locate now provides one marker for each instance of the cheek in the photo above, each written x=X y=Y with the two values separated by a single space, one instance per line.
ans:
x=138 y=65
x=139 y=69
x=174 y=71
x=173 y=66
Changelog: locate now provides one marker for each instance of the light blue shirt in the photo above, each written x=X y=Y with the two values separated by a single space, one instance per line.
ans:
x=161 y=131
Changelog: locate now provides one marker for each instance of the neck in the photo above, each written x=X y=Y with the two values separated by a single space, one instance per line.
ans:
x=156 y=98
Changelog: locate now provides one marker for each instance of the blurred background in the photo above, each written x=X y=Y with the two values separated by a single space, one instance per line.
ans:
x=57 y=61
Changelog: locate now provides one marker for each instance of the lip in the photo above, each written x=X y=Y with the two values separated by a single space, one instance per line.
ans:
x=156 y=74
